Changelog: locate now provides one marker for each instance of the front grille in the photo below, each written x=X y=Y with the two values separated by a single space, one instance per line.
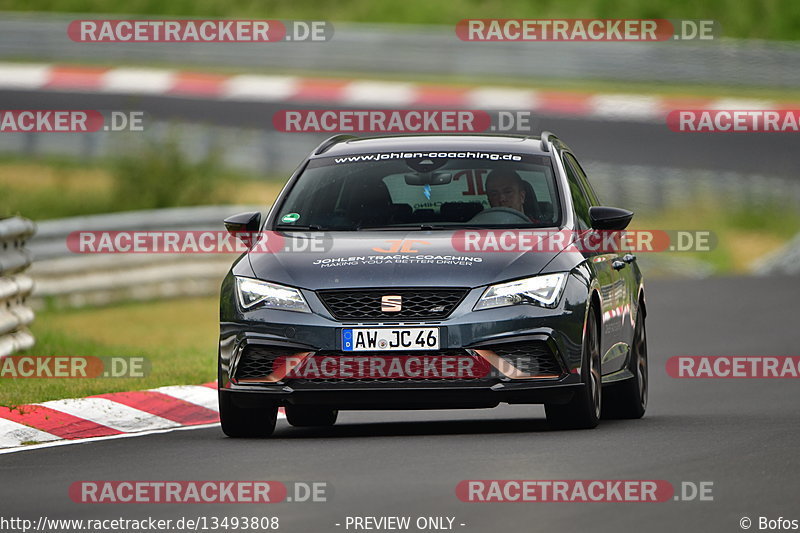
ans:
x=256 y=361
x=483 y=371
x=532 y=358
x=420 y=303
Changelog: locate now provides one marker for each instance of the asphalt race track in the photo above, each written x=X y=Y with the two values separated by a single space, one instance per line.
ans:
x=631 y=143
x=740 y=434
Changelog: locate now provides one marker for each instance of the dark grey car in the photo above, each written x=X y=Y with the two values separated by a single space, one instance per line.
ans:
x=419 y=272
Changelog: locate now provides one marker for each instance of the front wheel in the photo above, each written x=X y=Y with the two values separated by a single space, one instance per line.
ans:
x=628 y=399
x=245 y=421
x=583 y=411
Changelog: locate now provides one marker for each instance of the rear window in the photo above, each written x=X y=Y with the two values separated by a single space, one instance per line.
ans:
x=387 y=190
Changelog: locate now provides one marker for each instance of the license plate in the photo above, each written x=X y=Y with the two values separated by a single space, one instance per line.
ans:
x=379 y=339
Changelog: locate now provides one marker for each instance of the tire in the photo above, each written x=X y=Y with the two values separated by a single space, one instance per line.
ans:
x=307 y=416
x=628 y=399
x=583 y=411
x=246 y=421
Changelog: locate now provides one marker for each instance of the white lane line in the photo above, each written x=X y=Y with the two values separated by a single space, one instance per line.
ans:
x=745 y=104
x=502 y=98
x=137 y=81
x=196 y=394
x=626 y=106
x=24 y=76
x=259 y=88
x=14 y=434
x=379 y=93
x=109 y=413
x=107 y=437
x=281 y=416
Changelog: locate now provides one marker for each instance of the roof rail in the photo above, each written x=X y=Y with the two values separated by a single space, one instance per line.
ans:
x=330 y=141
x=547 y=137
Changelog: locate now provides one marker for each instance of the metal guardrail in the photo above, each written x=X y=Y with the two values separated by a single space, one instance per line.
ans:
x=15 y=287
x=436 y=50
x=651 y=189
x=68 y=279
x=273 y=153
x=783 y=261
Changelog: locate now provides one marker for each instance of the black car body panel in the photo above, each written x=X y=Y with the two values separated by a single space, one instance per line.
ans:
x=555 y=334
x=305 y=270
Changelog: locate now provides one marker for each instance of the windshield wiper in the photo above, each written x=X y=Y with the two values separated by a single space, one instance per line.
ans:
x=424 y=227
x=403 y=227
x=300 y=227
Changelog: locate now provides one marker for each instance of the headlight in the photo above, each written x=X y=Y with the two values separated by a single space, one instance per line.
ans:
x=256 y=293
x=544 y=291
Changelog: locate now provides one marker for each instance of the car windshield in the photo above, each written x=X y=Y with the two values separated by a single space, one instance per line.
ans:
x=436 y=190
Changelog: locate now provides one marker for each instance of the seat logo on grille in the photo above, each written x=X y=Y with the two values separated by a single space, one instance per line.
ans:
x=391 y=303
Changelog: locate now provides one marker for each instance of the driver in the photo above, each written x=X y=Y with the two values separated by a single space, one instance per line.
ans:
x=504 y=189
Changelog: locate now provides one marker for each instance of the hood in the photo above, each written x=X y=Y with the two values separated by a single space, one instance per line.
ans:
x=391 y=258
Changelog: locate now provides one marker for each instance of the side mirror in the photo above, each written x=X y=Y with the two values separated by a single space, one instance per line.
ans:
x=609 y=218
x=243 y=222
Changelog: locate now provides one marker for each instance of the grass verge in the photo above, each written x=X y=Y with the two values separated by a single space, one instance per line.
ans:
x=179 y=337
x=785 y=95
x=55 y=188
x=760 y=19
x=741 y=234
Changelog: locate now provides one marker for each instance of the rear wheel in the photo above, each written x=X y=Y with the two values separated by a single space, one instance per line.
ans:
x=245 y=421
x=305 y=416
x=628 y=399
x=583 y=411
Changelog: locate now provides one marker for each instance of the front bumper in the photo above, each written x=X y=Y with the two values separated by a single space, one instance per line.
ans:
x=485 y=333
x=444 y=396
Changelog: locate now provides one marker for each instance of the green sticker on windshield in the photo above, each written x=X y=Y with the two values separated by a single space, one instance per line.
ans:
x=290 y=217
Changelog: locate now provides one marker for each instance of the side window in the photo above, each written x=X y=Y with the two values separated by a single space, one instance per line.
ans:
x=587 y=187
x=579 y=199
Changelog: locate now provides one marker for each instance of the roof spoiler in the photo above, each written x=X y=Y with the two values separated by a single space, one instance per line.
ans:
x=327 y=143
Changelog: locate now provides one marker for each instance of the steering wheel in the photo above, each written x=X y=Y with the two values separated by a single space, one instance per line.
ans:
x=500 y=215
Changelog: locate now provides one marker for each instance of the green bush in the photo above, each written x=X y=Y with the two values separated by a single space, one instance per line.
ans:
x=162 y=176
x=758 y=19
